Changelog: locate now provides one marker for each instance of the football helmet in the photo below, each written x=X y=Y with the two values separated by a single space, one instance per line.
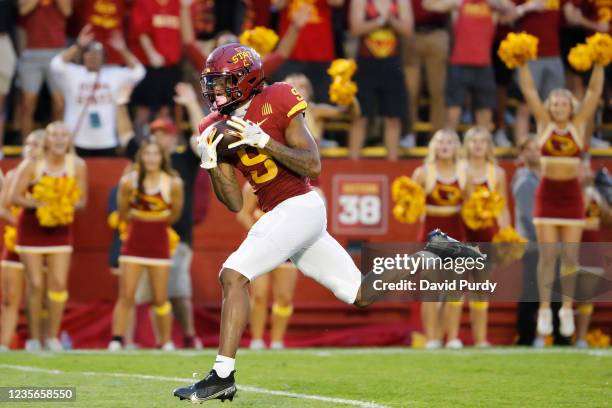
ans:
x=232 y=74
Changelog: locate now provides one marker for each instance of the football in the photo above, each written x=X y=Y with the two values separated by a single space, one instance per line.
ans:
x=229 y=136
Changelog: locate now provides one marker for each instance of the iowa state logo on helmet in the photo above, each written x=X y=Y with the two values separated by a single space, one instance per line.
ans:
x=243 y=55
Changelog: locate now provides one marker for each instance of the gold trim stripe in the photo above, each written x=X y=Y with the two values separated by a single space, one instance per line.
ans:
x=297 y=107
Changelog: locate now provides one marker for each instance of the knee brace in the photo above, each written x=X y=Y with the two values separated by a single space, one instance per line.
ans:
x=57 y=296
x=163 y=309
x=479 y=305
x=282 y=311
x=585 y=309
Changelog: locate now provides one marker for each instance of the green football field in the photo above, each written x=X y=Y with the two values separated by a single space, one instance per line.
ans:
x=384 y=377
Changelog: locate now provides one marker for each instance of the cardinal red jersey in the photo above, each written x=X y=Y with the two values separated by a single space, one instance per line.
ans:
x=105 y=16
x=315 y=42
x=272 y=109
x=160 y=20
x=544 y=25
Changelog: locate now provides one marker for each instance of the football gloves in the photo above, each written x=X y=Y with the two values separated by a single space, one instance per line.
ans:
x=251 y=134
x=207 y=146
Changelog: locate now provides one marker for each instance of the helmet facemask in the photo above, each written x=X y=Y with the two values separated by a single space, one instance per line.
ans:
x=221 y=91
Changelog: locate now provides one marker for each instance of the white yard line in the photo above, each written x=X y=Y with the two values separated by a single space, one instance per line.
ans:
x=246 y=388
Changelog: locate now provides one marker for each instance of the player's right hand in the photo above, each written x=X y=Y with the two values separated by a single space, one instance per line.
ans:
x=207 y=146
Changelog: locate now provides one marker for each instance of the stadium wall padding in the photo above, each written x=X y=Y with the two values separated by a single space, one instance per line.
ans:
x=91 y=282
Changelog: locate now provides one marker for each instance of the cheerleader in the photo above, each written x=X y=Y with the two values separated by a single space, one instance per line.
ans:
x=443 y=184
x=559 y=205
x=482 y=172
x=39 y=245
x=11 y=269
x=283 y=279
x=150 y=199
x=597 y=211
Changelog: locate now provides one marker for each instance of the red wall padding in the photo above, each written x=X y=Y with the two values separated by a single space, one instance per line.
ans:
x=217 y=236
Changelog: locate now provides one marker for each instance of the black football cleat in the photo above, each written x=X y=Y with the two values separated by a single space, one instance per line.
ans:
x=444 y=246
x=212 y=387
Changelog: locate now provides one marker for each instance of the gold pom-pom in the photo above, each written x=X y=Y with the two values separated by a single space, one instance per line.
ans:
x=581 y=57
x=116 y=223
x=600 y=45
x=173 y=240
x=10 y=238
x=409 y=199
x=343 y=68
x=598 y=339
x=261 y=39
x=510 y=246
x=58 y=196
x=342 y=90
x=113 y=220
x=481 y=209
x=516 y=49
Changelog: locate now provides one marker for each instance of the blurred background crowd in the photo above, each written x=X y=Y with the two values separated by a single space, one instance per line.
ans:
x=422 y=64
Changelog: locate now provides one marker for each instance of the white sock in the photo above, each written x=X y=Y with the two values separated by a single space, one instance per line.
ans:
x=224 y=366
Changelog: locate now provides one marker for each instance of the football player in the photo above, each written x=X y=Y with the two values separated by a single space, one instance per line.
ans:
x=278 y=156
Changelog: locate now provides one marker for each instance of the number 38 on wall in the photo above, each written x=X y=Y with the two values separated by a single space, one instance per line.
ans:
x=359 y=204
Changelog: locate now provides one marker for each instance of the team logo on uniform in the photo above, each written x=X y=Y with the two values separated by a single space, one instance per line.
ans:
x=266 y=109
x=446 y=194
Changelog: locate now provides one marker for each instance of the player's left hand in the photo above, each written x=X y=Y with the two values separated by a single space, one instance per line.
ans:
x=251 y=134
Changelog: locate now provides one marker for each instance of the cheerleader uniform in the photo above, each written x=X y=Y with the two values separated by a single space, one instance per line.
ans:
x=147 y=240
x=559 y=202
x=442 y=205
x=485 y=234
x=33 y=237
x=10 y=259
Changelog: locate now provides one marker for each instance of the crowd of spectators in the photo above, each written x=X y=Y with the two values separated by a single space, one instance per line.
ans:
x=422 y=64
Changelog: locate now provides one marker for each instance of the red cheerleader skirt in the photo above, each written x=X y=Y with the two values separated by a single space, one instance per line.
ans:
x=146 y=243
x=559 y=202
x=34 y=238
x=10 y=259
x=450 y=224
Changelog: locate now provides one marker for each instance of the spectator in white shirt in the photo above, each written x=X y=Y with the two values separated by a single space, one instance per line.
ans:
x=91 y=91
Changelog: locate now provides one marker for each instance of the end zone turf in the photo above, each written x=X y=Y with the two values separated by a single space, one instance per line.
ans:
x=386 y=377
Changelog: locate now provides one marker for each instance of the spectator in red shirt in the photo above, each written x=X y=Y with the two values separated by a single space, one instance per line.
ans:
x=156 y=41
x=209 y=18
x=541 y=19
x=105 y=17
x=471 y=71
x=271 y=61
x=428 y=47
x=44 y=23
x=380 y=78
x=581 y=19
x=314 y=49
